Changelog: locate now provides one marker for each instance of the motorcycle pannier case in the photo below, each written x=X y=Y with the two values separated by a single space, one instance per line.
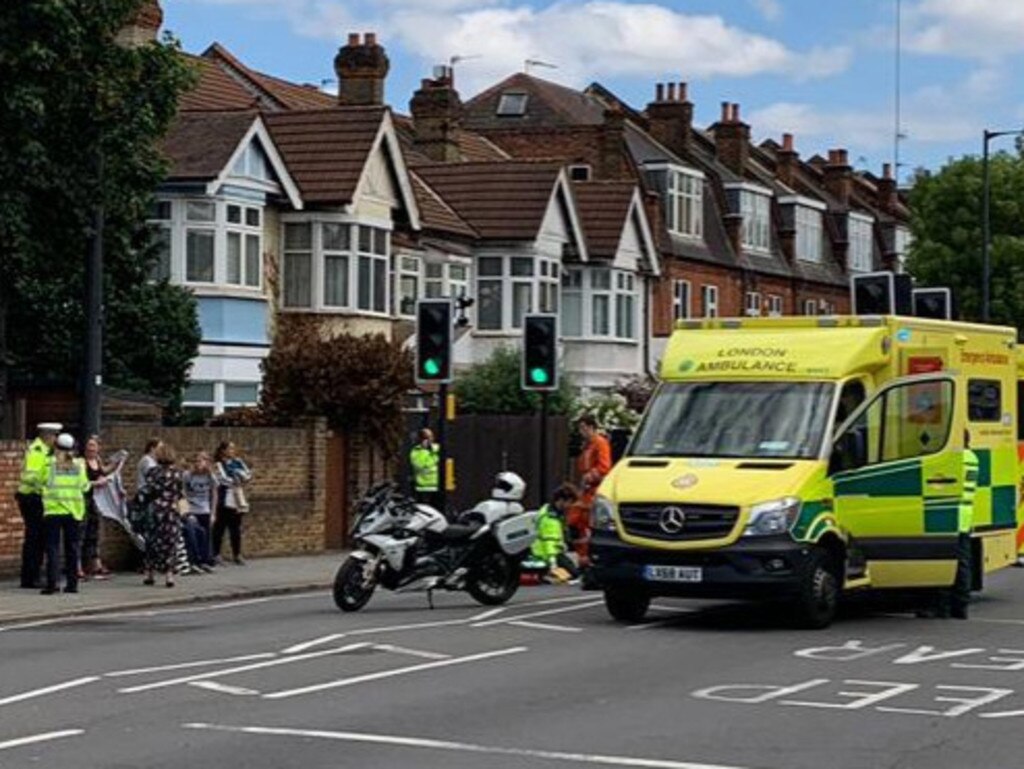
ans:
x=516 y=534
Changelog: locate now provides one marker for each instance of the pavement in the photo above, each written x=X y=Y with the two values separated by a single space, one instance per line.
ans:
x=125 y=591
x=545 y=681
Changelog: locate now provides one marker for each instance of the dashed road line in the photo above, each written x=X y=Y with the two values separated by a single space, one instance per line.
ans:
x=37 y=738
x=214 y=686
x=186 y=665
x=412 y=652
x=545 y=626
x=301 y=647
x=48 y=690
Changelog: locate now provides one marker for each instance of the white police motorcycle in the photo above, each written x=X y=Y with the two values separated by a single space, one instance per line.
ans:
x=404 y=546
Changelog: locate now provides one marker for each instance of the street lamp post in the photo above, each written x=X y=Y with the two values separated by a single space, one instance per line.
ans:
x=986 y=236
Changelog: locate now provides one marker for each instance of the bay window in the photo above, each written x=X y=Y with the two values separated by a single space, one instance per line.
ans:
x=757 y=220
x=599 y=302
x=511 y=287
x=373 y=270
x=160 y=225
x=200 y=241
x=572 y=302
x=445 y=279
x=625 y=305
x=244 y=246
x=298 y=265
x=408 y=284
x=861 y=236
x=809 y=234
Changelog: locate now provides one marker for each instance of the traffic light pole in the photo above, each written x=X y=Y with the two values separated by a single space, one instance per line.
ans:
x=442 y=420
x=543 y=489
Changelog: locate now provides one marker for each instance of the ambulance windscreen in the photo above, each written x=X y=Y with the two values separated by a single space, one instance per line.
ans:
x=784 y=420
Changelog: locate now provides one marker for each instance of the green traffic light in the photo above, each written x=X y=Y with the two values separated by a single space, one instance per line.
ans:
x=431 y=367
x=539 y=376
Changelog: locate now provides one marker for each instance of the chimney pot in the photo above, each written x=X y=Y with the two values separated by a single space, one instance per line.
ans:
x=787 y=142
x=671 y=91
x=683 y=91
x=735 y=113
x=371 y=39
x=726 y=109
x=887 y=170
x=844 y=157
x=659 y=92
x=353 y=38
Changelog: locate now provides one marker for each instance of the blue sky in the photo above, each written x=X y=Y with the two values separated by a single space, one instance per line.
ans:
x=821 y=69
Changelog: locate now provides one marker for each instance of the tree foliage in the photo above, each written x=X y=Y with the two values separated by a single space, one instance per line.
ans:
x=358 y=383
x=493 y=387
x=81 y=118
x=947 y=229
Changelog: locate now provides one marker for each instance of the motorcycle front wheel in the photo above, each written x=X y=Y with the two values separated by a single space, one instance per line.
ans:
x=350 y=590
x=494 y=579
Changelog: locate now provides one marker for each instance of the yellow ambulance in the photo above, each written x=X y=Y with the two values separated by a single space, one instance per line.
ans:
x=797 y=458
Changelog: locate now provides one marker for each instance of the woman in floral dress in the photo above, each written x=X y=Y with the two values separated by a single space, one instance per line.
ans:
x=162 y=496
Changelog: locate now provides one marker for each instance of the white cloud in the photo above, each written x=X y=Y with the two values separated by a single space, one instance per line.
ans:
x=770 y=9
x=585 y=38
x=983 y=29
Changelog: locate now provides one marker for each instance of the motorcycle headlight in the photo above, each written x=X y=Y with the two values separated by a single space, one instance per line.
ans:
x=602 y=514
x=771 y=518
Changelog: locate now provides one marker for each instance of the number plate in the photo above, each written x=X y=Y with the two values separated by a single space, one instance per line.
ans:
x=673 y=573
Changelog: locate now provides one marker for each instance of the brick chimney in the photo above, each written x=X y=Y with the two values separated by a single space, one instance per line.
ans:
x=887 y=192
x=732 y=139
x=143 y=27
x=839 y=176
x=436 y=113
x=362 y=67
x=786 y=161
x=670 y=116
x=611 y=143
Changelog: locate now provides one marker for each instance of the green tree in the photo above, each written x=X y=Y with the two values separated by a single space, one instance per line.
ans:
x=493 y=387
x=947 y=229
x=81 y=117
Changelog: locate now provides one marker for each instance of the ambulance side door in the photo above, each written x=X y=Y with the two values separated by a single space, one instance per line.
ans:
x=896 y=472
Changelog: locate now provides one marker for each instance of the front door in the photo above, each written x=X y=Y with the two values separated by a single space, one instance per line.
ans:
x=897 y=482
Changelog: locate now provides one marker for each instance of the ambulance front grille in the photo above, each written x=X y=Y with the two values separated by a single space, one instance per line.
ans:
x=661 y=521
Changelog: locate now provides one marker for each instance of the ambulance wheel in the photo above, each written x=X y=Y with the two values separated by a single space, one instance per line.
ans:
x=818 y=600
x=626 y=605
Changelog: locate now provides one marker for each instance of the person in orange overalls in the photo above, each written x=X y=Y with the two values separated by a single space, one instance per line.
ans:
x=593 y=464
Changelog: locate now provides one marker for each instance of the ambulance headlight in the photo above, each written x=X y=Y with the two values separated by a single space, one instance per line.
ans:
x=602 y=515
x=771 y=518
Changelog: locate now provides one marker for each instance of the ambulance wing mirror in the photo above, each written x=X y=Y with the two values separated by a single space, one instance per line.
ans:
x=849 y=451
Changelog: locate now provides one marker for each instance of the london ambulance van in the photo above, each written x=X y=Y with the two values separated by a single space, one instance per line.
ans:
x=797 y=458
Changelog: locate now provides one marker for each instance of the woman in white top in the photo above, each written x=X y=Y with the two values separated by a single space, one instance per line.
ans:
x=232 y=474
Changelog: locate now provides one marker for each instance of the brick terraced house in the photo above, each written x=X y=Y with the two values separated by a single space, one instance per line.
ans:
x=286 y=208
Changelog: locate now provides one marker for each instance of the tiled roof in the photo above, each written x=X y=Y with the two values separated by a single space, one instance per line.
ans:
x=292 y=96
x=215 y=89
x=472 y=146
x=603 y=208
x=549 y=104
x=435 y=214
x=501 y=201
x=200 y=144
x=326 y=150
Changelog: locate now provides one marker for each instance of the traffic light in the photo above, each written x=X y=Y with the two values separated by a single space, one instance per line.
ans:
x=540 y=352
x=935 y=303
x=882 y=293
x=434 y=341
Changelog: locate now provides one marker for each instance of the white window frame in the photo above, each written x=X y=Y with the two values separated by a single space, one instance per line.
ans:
x=810 y=233
x=162 y=228
x=410 y=267
x=709 y=300
x=756 y=208
x=861 y=236
x=247 y=234
x=752 y=304
x=775 y=305
x=253 y=163
x=542 y=288
x=512 y=104
x=621 y=297
x=318 y=255
x=682 y=300
x=685 y=197
x=810 y=307
x=220 y=403
x=902 y=239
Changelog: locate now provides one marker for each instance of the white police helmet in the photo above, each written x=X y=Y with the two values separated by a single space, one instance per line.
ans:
x=66 y=441
x=508 y=486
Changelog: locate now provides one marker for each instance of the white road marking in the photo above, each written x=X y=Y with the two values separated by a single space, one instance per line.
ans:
x=241 y=669
x=185 y=665
x=213 y=686
x=412 y=652
x=532 y=615
x=543 y=626
x=30 y=625
x=48 y=690
x=47 y=737
x=301 y=647
x=462 y=747
x=362 y=679
x=999 y=621
x=487 y=614
x=551 y=601
x=414 y=626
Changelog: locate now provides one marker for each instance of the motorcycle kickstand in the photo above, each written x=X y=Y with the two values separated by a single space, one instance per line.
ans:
x=430 y=598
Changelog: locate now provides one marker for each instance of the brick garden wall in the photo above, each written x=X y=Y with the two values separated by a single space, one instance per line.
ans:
x=287 y=497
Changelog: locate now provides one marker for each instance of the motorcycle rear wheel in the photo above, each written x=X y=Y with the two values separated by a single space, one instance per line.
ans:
x=494 y=579
x=349 y=592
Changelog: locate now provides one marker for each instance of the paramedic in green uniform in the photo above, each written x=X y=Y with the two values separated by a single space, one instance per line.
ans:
x=425 y=459
x=961 y=593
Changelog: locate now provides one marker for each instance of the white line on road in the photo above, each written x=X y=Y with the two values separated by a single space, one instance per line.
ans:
x=48 y=690
x=414 y=626
x=213 y=686
x=185 y=665
x=301 y=647
x=543 y=626
x=47 y=737
x=550 y=601
x=462 y=747
x=241 y=669
x=487 y=614
x=362 y=679
x=532 y=615
x=412 y=652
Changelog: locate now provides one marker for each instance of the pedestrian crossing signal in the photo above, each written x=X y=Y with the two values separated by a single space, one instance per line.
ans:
x=540 y=352
x=434 y=341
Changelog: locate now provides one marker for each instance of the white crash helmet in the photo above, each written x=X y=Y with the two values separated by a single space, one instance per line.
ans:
x=508 y=486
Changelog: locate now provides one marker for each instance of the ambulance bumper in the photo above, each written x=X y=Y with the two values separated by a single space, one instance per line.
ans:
x=762 y=567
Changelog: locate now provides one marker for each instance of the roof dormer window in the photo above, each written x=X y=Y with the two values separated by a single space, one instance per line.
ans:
x=512 y=104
